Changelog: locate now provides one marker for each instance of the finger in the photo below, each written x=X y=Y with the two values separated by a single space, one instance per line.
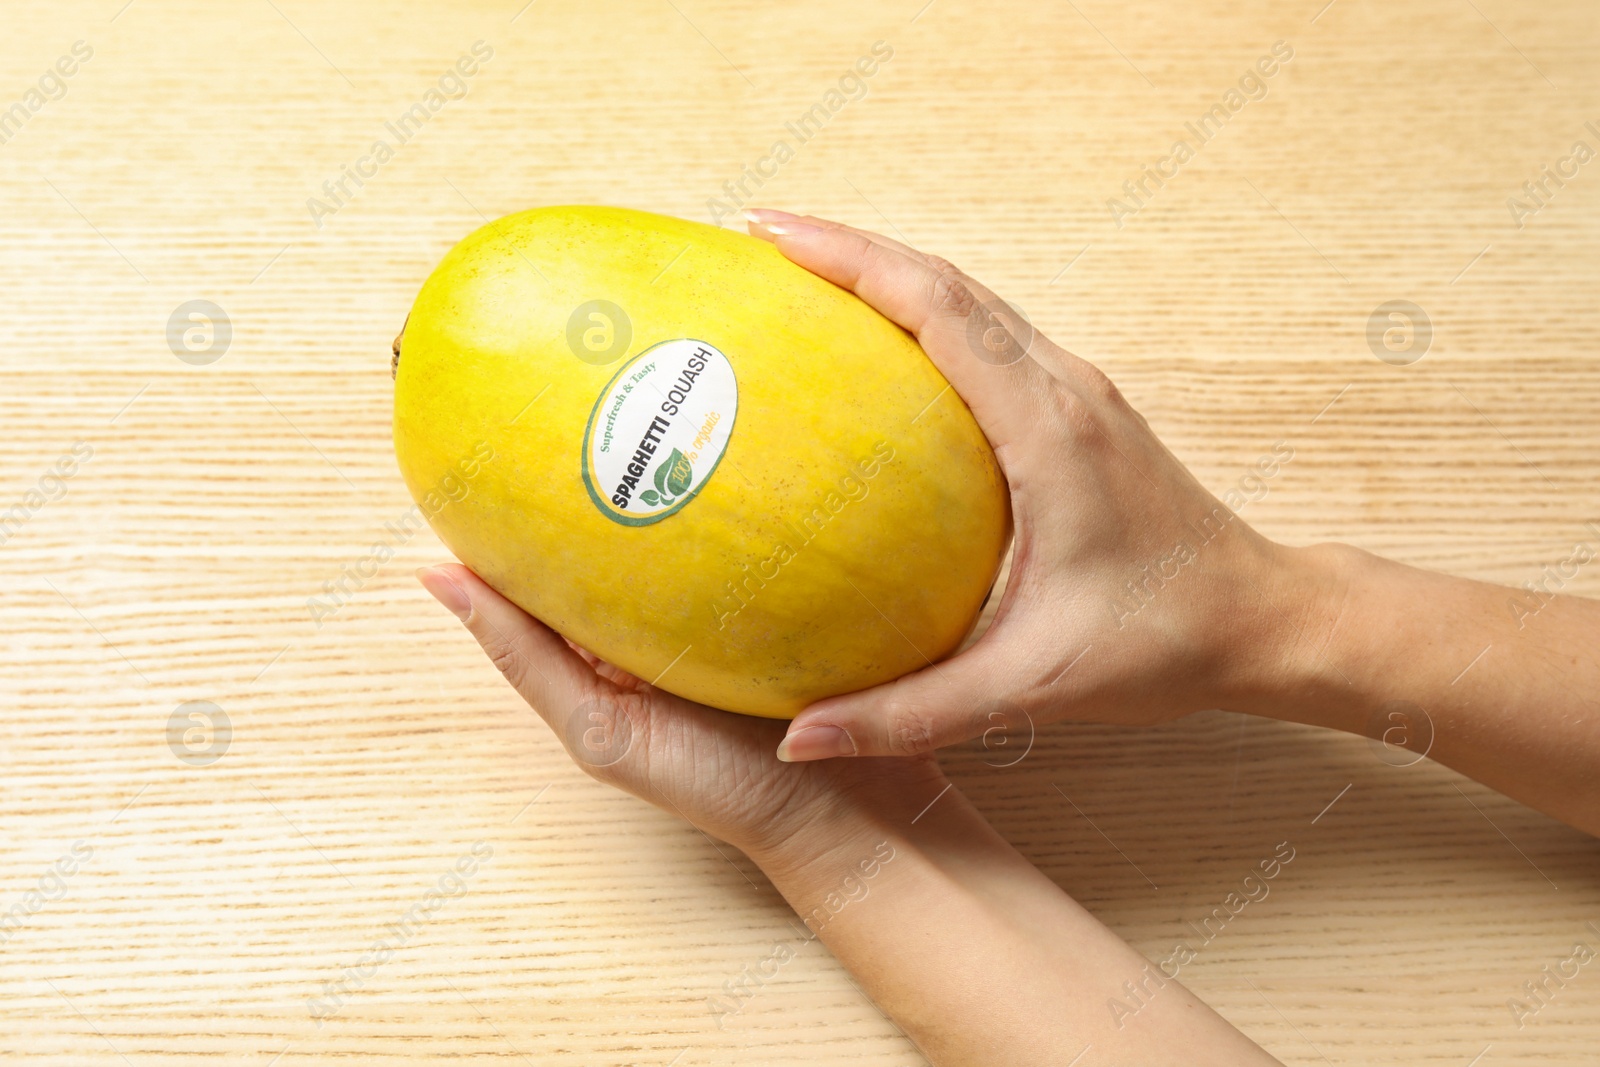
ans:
x=769 y=225
x=588 y=657
x=537 y=662
x=995 y=314
x=937 y=706
x=974 y=338
x=894 y=278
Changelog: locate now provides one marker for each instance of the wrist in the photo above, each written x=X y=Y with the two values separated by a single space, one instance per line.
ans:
x=1300 y=663
x=816 y=846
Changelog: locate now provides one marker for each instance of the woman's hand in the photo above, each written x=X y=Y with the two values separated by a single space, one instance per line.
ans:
x=717 y=770
x=1135 y=595
x=934 y=914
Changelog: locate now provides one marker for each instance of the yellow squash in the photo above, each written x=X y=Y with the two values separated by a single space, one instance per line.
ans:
x=694 y=458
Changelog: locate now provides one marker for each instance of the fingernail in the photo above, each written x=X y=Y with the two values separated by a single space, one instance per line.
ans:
x=763 y=215
x=780 y=223
x=446 y=591
x=815 y=742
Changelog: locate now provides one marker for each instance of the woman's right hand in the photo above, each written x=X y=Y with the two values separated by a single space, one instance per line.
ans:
x=716 y=770
x=1134 y=596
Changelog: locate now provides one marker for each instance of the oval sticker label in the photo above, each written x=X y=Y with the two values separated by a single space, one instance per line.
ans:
x=658 y=431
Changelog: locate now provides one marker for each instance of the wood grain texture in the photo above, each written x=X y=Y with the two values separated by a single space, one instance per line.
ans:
x=370 y=752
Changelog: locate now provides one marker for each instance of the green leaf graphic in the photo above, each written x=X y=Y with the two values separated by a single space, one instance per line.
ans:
x=661 y=476
x=679 y=472
x=649 y=497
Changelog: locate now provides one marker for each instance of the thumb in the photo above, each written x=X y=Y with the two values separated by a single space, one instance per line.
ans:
x=939 y=705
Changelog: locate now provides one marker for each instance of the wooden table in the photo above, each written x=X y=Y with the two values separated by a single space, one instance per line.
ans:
x=213 y=896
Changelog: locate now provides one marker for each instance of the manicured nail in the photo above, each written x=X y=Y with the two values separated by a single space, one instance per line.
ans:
x=446 y=591
x=815 y=742
x=762 y=215
x=780 y=223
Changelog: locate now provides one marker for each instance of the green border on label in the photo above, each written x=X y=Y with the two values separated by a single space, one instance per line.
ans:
x=604 y=503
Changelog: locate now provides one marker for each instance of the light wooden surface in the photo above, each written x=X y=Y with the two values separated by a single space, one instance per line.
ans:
x=367 y=755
